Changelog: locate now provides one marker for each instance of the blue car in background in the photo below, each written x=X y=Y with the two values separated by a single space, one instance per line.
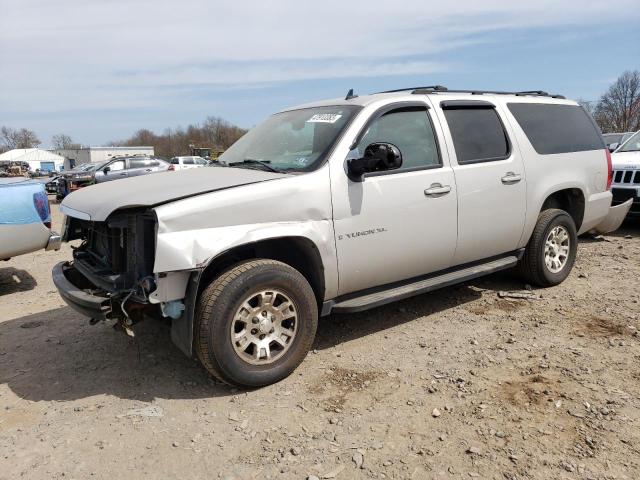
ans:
x=25 y=218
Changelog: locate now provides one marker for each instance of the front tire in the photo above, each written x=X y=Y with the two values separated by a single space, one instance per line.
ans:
x=255 y=323
x=551 y=251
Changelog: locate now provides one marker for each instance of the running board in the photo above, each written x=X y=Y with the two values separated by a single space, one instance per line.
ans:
x=378 y=298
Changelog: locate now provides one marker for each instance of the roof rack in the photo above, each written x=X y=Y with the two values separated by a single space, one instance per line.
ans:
x=440 y=88
x=437 y=88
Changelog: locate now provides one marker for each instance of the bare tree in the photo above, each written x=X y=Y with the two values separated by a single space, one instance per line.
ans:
x=9 y=138
x=588 y=105
x=12 y=138
x=214 y=133
x=63 y=142
x=619 y=108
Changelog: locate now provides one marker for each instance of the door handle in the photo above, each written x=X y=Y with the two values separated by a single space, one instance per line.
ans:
x=437 y=189
x=510 y=178
x=148 y=170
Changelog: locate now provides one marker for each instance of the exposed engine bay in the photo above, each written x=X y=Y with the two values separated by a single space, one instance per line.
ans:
x=115 y=260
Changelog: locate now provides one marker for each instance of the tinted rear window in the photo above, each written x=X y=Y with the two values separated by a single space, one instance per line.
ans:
x=557 y=128
x=478 y=134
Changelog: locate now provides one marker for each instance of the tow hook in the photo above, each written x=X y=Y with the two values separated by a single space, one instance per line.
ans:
x=125 y=324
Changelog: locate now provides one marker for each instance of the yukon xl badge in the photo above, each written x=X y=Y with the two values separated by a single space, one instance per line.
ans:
x=362 y=233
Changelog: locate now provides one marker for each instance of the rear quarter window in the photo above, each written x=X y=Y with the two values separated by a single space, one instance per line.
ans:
x=555 y=128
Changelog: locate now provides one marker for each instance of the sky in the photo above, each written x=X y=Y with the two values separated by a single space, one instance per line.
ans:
x=98 y=70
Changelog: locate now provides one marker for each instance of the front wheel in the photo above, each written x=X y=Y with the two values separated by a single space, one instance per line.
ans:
x=255 y=323
x=551 y=251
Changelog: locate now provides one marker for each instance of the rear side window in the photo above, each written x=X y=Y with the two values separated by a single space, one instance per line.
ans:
x=175 y=161
x=478 y=134
x=138 y=163
x=555 y=128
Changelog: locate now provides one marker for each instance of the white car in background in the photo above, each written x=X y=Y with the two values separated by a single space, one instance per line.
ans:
x=183 y=163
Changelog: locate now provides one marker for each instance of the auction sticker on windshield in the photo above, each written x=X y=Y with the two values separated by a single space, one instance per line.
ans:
x=325 y=118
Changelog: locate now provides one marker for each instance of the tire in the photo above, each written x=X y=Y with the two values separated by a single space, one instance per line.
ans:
x=251 y=285
x=533 y=265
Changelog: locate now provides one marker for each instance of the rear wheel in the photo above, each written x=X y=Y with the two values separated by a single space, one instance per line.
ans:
x=551 y=251
x=255 y=323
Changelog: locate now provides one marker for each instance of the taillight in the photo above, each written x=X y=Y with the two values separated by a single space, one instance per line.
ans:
x=171 y=168
x=41 y=202
x=609 y=169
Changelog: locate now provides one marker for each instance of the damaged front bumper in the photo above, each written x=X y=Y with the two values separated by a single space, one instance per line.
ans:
x=97 y=304
x=79 y=294
x=614 y=218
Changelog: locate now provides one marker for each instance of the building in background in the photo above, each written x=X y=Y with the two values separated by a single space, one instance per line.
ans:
x=77 y=156
x=37 y=159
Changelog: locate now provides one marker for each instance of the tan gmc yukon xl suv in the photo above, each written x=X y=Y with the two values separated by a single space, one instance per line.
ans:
x=339 y=206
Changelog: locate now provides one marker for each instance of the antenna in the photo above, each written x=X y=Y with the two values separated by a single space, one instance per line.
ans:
x=350 y=95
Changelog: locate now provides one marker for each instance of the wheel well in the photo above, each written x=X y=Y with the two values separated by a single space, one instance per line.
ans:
x=297 y=252
x=571 y=200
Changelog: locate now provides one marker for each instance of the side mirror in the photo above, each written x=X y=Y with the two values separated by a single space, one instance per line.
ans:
x=378 y=157
x=106 y=170
x=613 y=146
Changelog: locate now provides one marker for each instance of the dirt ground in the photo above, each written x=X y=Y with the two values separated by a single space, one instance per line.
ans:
x=459 y=383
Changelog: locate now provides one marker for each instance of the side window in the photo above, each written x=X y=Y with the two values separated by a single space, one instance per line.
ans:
x=411 y=131
x=116 y=166
x=188 y=161
x=175 y=161
x=138 y=162
x=557 y=128
x=478 y=134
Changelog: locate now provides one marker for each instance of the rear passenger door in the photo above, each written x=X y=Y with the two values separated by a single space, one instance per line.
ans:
x=490 y=179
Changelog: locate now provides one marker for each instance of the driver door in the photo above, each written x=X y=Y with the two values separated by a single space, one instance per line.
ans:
x=116 y=170
x=397 y=224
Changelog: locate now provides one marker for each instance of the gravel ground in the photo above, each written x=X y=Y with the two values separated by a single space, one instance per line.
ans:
x=458 y=383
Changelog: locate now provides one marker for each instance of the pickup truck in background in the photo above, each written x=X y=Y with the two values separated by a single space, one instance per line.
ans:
x=25 y=218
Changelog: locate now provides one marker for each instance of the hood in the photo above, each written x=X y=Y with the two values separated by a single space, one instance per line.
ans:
x=625 y=159
x=98 y=201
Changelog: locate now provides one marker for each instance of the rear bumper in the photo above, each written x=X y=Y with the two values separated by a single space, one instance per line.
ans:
x=615 y=217
x=54 y=242
x=622 y=194
x=69 y=282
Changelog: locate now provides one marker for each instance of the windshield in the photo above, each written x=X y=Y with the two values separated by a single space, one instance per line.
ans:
x=298 y=140
x=631 y=145
x=86 y=167
x=610 y=138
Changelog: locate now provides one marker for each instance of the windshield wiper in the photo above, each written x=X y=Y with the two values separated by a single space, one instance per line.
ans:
x=251 y=161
